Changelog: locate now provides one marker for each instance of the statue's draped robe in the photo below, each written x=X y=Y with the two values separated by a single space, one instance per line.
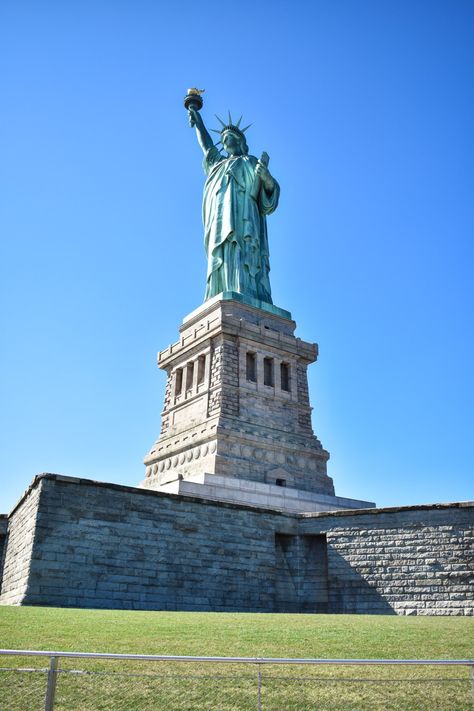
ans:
x=235 y=230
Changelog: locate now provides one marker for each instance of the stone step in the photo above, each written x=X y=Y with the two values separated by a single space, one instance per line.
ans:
x=261 y=495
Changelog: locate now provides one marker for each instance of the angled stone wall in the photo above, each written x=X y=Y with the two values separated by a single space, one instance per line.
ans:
x=102 y=545
x=19 y=547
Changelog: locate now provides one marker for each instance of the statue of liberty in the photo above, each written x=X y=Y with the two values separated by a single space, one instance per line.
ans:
x=238 y=194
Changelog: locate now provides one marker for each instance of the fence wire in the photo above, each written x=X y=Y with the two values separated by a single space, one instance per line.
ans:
x=103 y=684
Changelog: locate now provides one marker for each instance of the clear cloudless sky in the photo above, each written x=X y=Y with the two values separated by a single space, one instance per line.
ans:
x=366 y=109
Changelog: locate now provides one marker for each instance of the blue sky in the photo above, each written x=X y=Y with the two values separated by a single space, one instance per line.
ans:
x=366 y=110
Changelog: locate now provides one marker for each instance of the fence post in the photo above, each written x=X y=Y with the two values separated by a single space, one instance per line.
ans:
x=51 y=687
x=472 y=682
x=259 y=689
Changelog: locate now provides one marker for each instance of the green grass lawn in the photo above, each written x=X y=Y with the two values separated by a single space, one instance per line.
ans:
x=232 y=688
x=239 y=634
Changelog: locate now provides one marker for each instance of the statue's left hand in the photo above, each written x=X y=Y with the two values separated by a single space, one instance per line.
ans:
x=263 y=173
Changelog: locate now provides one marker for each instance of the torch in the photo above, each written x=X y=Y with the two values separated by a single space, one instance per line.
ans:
x=193 y=99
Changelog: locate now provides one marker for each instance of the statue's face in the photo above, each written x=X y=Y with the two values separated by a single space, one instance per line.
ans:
x=231 y=143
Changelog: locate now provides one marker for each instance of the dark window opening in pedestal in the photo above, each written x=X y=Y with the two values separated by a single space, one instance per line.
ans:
x=280 y=482
x=251 y=367
x=285 y=376
x=189 y=376
x=179 y=381
x=201 y=369
x=268 y=371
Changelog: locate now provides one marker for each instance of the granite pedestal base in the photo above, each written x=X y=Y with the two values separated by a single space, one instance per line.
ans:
x=237 y=402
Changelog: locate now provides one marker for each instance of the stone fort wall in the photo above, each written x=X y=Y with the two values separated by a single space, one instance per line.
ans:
x=76 y=542
x=412 y=560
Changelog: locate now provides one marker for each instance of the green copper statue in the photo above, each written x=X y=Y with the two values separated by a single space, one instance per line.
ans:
x=238 y=194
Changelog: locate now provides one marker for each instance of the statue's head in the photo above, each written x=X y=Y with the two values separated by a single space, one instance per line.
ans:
x=233 y=137
x=234 y=141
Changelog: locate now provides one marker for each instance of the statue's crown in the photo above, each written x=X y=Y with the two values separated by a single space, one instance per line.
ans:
x=235 y=127
x=232 y=127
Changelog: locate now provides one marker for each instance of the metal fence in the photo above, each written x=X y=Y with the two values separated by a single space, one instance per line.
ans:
x=74 y=681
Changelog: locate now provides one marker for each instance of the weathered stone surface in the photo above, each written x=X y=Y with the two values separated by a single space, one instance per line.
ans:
x=75 y=542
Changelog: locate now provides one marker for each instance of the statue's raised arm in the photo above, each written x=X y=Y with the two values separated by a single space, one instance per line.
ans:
x=195 y=119
x=238 y=195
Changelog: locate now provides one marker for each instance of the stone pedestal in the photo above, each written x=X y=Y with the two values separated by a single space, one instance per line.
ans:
x=237 y=404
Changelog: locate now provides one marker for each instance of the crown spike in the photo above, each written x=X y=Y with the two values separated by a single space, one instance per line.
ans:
x=230 y=118
x=244 y=129
x=238 y=122
x=220 y=120
x=215 y=130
